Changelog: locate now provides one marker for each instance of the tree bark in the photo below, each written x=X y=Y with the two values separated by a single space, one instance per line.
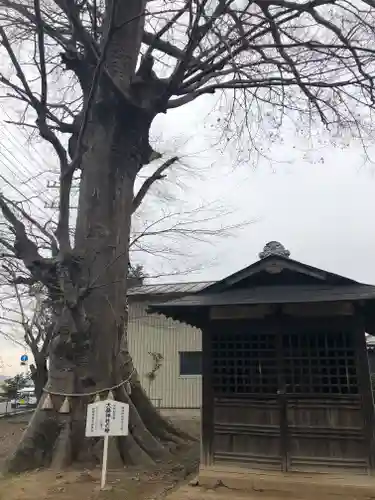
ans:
x=39 y=374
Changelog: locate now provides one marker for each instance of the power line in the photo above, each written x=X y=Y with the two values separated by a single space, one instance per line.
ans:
x=18 y=161
x=15 y=171
x=23 y=133
x=34 y=193
x=9 y=162
x=49 y=203
x=25 y=199
x=9 y=183
x=15 y=174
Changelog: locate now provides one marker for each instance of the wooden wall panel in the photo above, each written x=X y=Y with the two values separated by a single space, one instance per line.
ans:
x=327 y=435
x=247 y=431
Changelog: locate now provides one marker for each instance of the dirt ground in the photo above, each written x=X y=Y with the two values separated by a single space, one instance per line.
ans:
x=11 y=430
x=298 y=486
x=170 y=481
x=129 y=484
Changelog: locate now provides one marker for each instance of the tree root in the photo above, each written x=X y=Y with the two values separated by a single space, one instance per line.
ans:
x=139 y=431
x=159 y=426
x=62 y=452
x=132 y=454
x=37 y=444
x=58 y=440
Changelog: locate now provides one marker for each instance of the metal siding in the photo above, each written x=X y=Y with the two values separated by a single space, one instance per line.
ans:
x=168 y=288
x=155 y=333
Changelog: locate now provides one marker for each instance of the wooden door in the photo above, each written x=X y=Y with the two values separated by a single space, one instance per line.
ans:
x=287 y=398
x=246 y=409
x=325 y=427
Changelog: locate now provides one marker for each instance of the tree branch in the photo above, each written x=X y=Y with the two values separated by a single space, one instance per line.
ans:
x=42 y=229
x=42 y=56
x=156 y=176
x=20 y=74
x=62 y=231
x=25 y=249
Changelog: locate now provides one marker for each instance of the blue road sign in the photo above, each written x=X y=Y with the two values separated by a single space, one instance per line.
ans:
x=24 y=357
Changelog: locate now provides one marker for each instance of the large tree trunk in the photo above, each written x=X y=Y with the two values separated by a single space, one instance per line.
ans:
x=89 y=352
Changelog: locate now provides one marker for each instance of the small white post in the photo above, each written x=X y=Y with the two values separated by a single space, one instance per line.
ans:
x=104 y=464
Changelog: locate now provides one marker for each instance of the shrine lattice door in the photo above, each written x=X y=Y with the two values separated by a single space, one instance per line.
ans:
x=287 y=400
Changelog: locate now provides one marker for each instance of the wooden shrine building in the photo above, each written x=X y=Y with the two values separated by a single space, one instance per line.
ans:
x=286 y=382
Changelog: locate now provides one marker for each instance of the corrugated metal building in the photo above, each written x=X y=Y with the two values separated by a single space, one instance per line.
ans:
x=172 y=346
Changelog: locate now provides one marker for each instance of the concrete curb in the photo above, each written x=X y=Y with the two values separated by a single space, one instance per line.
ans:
x=16 y=413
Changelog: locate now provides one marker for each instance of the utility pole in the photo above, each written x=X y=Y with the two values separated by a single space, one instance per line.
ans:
x=56 y=185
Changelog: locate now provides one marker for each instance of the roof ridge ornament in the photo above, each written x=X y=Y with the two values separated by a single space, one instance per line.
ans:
x=274 y=248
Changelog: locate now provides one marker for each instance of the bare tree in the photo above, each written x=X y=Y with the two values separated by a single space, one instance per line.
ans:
x=132 y=60
x=26 y=320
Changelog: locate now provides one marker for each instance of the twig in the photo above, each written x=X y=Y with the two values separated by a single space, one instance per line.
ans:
x=42 y=57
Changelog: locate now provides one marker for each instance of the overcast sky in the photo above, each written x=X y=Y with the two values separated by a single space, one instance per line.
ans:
x=319 y=203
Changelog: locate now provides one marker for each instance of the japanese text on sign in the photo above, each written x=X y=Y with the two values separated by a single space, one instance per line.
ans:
x=108 y=417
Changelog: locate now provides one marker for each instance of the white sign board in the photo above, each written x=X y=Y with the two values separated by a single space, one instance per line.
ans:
x=107 y=418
